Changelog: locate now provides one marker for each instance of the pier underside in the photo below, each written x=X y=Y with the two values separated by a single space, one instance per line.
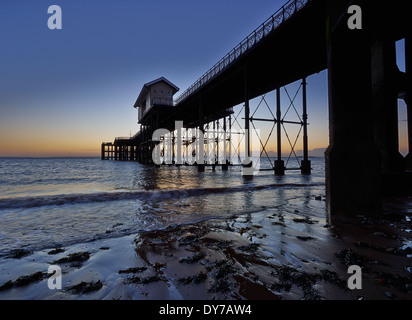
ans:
x=363 y=162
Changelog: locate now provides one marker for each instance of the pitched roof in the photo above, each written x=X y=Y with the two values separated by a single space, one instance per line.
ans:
x=148 y=85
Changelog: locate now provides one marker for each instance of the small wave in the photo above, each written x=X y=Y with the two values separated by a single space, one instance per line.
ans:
x=66 y=199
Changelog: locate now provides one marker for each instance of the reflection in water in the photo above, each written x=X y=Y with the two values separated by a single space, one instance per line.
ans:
x=60 y=200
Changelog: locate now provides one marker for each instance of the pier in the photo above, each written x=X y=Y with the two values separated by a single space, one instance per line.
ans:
x=302 y=38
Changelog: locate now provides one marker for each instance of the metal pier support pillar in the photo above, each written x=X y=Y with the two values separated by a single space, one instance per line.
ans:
x=305 y=166
x=116 y=152
x=225 y=165
x=279 y=163
x=172 y=134
x=214 y=153
x=179 y=140
x=217 y=141
x=102 y=157
x=247 y=161
x=201 y=142
x=230 y=139
x=353 y=179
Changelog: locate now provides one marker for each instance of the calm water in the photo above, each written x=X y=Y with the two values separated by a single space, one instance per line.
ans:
x=56 y=202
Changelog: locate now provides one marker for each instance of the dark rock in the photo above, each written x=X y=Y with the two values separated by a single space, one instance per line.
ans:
x=133 y=270
x=187 y=240
x=147 y=280
x=334 y=278
x=192 y=259
x=220 y=285
x=305 y=238
x=350 y=257
x=287 y=276
x=19 y=253
x=303 y=220
x=279 y=224
x=23 y=280
x=85 y=287
x=56 y=251
x=201 y=277
x=394 y=280
x=158 y=266
x=223 y=244
x=8 y=285
x=224 y=268
x=74 y=257
x=253 y=247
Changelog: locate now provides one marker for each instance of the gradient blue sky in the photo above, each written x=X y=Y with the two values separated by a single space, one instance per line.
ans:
x=63 y=92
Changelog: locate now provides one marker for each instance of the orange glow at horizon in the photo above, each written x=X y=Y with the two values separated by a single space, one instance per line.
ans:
x=92 y=149
x=40 y=144
x=50 y=149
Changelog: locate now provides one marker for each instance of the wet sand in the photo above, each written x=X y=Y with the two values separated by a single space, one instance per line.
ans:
x=273 y=254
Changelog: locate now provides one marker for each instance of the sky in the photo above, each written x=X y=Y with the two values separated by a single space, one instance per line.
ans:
x=63 y=92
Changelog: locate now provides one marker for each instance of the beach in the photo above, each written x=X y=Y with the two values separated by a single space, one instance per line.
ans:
x=271 y=254
x=282 y=173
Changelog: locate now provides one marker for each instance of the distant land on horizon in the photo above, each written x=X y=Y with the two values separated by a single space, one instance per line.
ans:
x=316 y=153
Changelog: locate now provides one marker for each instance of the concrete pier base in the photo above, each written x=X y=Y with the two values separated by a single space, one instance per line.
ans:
x=353 y=176
x=225 y=166
x=385 y=106
x=306 y=167
x=279 y=167
x=408 y=162
x=408 y=158
x=408 y=99
x=247 y=168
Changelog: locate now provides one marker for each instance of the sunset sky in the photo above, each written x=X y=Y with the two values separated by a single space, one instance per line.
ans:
x=63 y=92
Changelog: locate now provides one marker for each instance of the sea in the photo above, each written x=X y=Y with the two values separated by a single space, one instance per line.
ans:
x=57 y=202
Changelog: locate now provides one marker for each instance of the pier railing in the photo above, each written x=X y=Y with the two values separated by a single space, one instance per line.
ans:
x=162 y=101
x=266 y=28
x=155 y=101
x=122 y=138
